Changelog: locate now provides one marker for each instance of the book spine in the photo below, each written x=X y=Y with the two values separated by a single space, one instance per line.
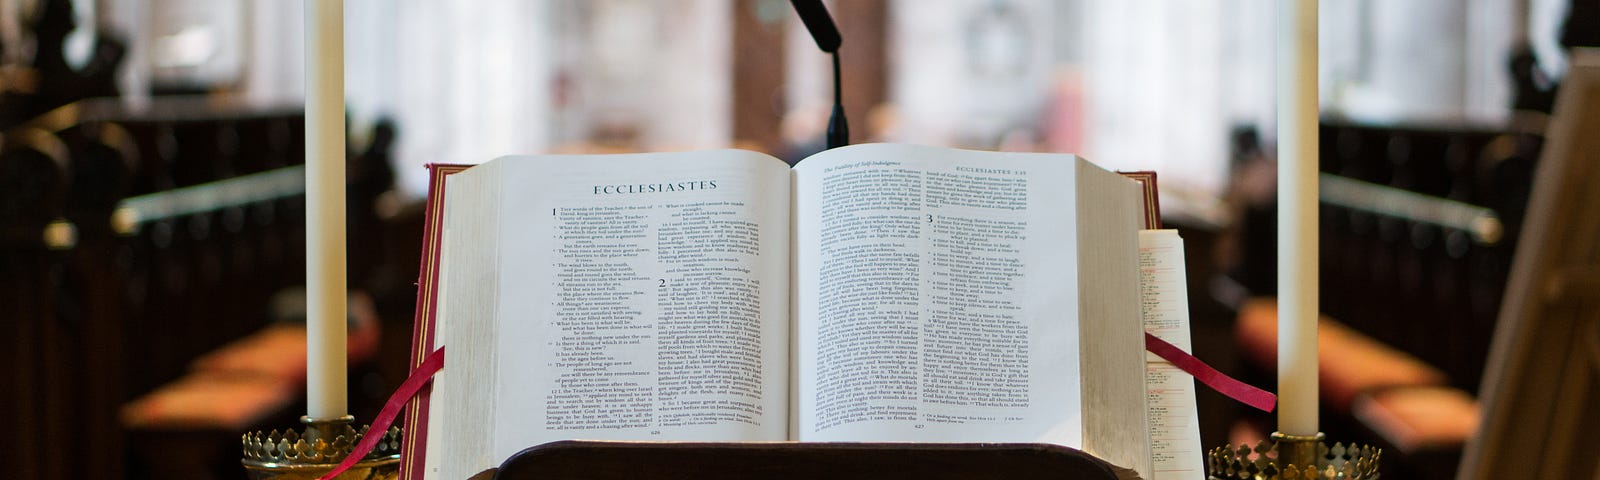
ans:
x=422 y=335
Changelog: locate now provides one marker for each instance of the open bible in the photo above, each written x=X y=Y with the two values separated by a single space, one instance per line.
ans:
x=871 y=293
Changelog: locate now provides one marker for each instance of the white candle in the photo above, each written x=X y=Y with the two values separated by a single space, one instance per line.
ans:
x=1297 y=217
x=325 y=269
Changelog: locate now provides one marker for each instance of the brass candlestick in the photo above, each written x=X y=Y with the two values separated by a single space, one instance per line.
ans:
x=1293 y=457
x=307 y=455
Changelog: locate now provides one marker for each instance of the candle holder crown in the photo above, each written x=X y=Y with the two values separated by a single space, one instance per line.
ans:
x=294 y=454
x=1286 y=457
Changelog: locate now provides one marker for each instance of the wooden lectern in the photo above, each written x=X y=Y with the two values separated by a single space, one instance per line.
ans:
x=878 y=461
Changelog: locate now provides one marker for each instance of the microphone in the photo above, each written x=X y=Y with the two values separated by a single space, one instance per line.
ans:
x=817 y=21
x=815 y=15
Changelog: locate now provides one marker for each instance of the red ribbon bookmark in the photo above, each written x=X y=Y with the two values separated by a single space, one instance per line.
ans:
x=391 y=409
x=1226 y=385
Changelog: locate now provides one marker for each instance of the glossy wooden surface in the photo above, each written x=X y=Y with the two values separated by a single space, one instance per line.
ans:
x=709 y=461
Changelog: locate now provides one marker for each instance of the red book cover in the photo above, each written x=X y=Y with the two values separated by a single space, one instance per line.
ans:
x=1152 y=201
x=422 y=335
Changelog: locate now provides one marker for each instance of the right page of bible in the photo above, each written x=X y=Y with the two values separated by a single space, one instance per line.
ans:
x=936 y=296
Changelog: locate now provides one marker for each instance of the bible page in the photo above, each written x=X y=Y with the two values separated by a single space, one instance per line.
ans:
x=643 y=297
x=936 y=292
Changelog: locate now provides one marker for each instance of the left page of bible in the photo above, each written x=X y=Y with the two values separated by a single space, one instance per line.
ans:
x=617 y=297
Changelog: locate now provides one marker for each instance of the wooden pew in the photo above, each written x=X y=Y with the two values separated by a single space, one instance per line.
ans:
x=1418 y=224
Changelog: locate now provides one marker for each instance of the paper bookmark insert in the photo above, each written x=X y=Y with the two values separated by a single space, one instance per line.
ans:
x=1164 y=302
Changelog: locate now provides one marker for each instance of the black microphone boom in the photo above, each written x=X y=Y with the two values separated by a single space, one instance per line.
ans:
x=838 y=128
x=815 y=15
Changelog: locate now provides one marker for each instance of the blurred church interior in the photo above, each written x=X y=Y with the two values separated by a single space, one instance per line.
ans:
x=152 y=216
